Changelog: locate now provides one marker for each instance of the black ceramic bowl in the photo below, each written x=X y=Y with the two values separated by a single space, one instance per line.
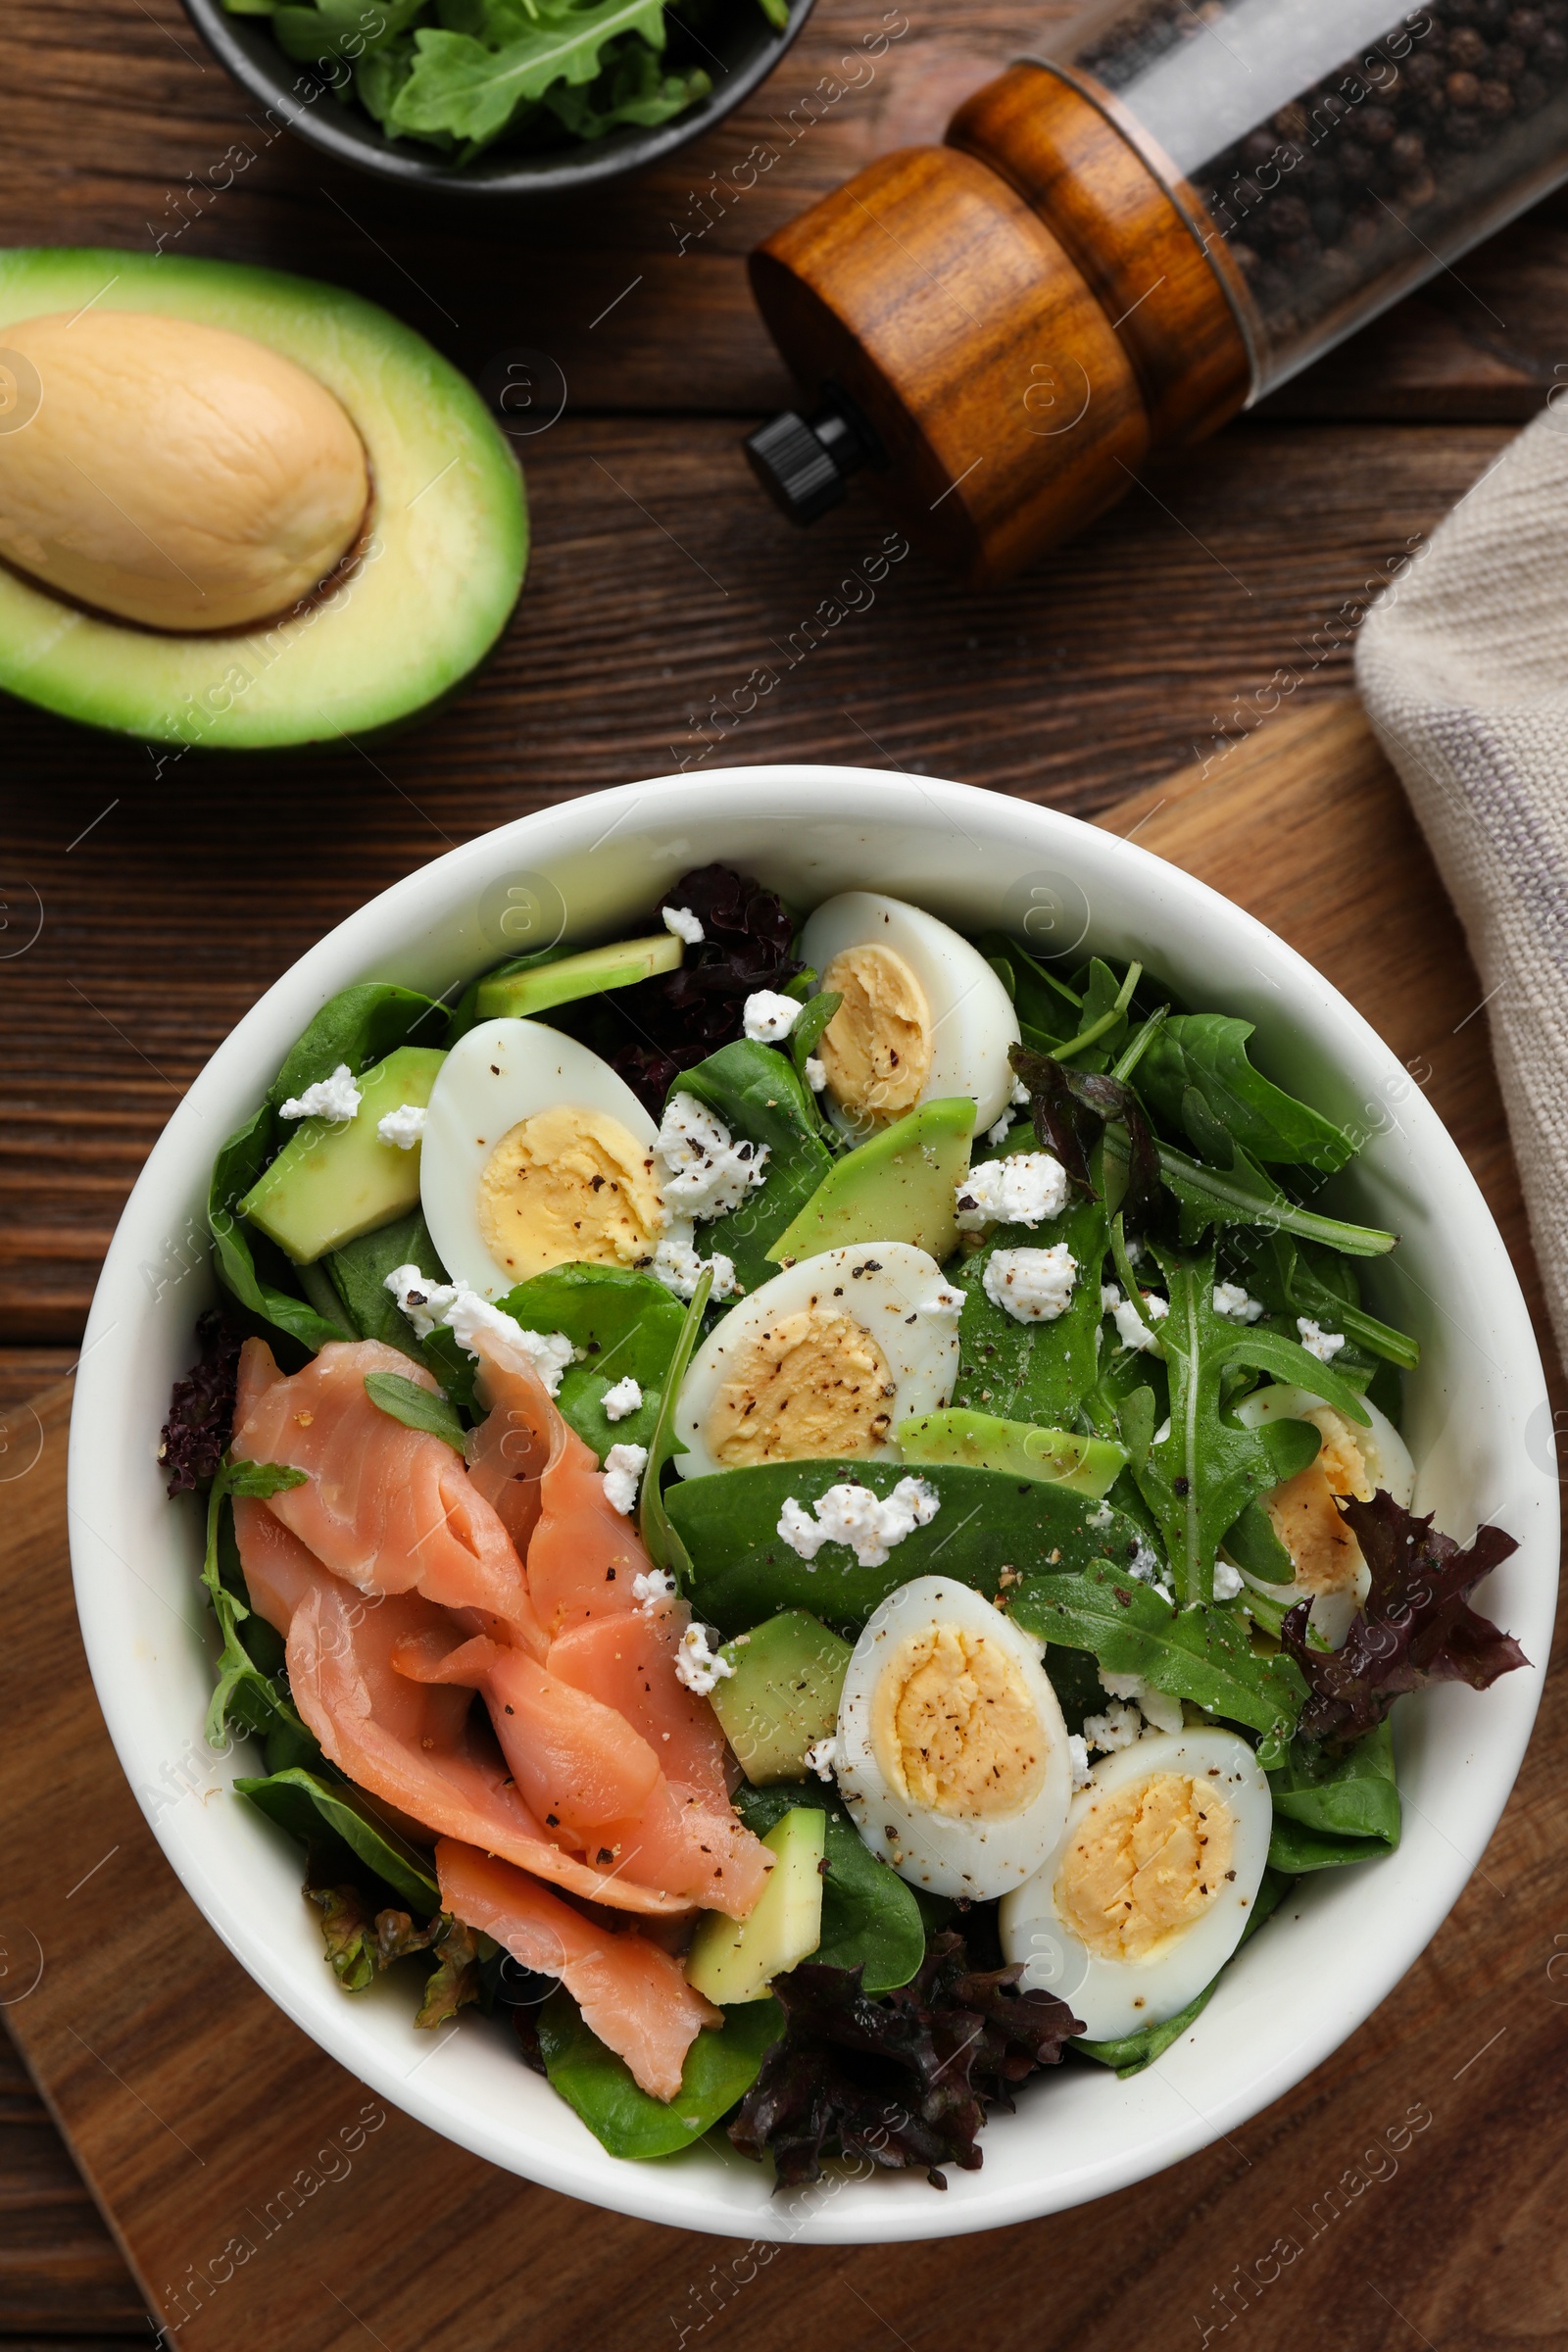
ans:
x=738 y=53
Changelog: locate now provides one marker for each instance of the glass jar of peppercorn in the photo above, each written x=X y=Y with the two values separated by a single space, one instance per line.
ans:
x=1132 y=236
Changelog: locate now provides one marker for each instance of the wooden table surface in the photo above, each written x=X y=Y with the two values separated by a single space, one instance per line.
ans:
x=142 y=917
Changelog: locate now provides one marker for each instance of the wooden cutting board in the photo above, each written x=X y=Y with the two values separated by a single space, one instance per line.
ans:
x=208 y=2128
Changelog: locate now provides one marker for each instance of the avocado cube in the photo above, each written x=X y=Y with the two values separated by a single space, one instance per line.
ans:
x=516 y=993
x=899 y=1187
x=734 y=1960
x=985 y=1442
x=335 y=1179
x=783 y=1695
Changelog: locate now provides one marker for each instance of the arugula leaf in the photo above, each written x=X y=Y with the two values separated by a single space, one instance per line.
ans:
x=318 y=34
x=305 y=1805
x=1204 y=1054
x=1330 y=1810
x=1415 y=1627
x=1038 y=1372
x=720 y=2067
x=870 y=1918
x=661 y=1539
x=460 y=86
x=987 y=1522
x=760 y=1096
x=1201 y=1652
x=1242 y=1194
x=1104 y=1022
x=415 y=1408
x=1291 y=1281
x=244 y=1692
x=1132 y=2052
x=1045 y=1003
x=625 y=1323
x=632 y=87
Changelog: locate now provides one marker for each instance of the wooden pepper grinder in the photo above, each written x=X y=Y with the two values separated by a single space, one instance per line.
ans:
x=1121 y=245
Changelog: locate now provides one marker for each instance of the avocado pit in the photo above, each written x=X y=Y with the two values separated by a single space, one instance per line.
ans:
x=175 y=474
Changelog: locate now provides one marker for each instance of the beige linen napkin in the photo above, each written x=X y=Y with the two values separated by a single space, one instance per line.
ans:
x=1463 y=666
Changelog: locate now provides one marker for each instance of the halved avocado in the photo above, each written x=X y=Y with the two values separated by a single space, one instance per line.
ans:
x=448 y=524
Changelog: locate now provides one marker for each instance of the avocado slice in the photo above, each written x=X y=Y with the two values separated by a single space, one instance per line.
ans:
x=448 y=520
x=783 y=1695
x=735 y=1960
x=335 y=1179
x=1088 y=1466
x=515 y=992
x=899 y=1187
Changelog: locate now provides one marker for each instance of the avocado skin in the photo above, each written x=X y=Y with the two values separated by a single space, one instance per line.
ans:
x=899 y=1187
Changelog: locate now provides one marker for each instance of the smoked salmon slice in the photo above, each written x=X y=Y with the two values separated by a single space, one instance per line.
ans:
x=410 y=1742
x=631 y=1994
x=629 y=1662
x=389 y=1508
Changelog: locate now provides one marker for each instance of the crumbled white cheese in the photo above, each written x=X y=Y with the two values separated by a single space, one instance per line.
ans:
x=703 y=1173
x=946 y=1301
x=1033 y=1286
x=999 y=1133
x=1024 y=1188
x=652 y=1589
x=1324 y=1344
x=1120 y=1726
x=1020 y=1092
x=822 y=1757
x=1232 y=1302
x=696 y=1665
x=403 y=1126
x=815 y=1073
x=1131 y=1329
x=1161 y=1432
x=684 y=924
x=767 y=1018
x=851 y=1514
x=1078 y=1762
x=1155 y=1706
x=623 y=1398
x=471 y=1319
x=679 y=1268
x=1228 y=1580
x=1101 y=1516
x=624 y=1468
x=1146 y=1568
x=334 y=1097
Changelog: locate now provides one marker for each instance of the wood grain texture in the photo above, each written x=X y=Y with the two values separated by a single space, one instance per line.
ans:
x=191 y=2101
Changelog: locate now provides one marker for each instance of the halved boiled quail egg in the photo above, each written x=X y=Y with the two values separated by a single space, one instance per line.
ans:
x=1351 y=1461
x=535 y=1153
x=1147 y=1892
x=822 y=1362
x=953 y=1755
x=923 y=1015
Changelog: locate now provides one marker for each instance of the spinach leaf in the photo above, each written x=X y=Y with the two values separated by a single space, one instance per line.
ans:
x=625 y=1323
x=461 y=86
x=661 y=1538
x=1130 y=2054
x=870 y=1918
x=809 y=1022
x=721 y=2065
x=304 y=1804
x=415 y=1408
x=758 y=1094
x=1252 y=1543
x=1039 y=1372
x=1199 y=1478
x=358 y=1272
x=1206 y=1053
x=1330 y=1810
x=245 y=1692
x=1203 y=1653
x=744 y=1571
x=359 y=1027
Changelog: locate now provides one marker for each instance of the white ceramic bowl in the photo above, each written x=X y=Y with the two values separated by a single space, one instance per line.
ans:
x=1477 y=1417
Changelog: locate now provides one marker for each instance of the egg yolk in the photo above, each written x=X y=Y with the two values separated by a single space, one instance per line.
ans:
x=1326 y=1556
x=876 y=1049
x=813 y=1385
x=1145 y=1864
x=566 y=1185
x=954 y=1729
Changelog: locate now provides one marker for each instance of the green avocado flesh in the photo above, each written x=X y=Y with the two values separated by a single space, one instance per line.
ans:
x=899 y=1187
x=783 y=1695
x=335 y=1179
x=1089 y=1465
x=448 y=517
x=516 y=993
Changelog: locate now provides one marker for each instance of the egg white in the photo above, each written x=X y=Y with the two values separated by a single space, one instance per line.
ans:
x=945 y=1854
x=972 y=1020
x=889 y=1287
x=1388 y=1467
x=499 y=1074
x=1115 y=1998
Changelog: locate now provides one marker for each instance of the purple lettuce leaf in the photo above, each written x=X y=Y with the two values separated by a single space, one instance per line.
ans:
x=201 y=1406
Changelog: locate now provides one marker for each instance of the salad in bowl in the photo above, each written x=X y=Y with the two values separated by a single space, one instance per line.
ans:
x=812 y=1511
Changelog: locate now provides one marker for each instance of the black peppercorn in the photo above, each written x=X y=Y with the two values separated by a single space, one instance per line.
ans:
x=1355 y=163
x=1407 y=153
x=1526 y=26
x=1288 y=216
x=1466 y=48
x=1378 y=125
x=1496 y=98
x=1462 y=89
